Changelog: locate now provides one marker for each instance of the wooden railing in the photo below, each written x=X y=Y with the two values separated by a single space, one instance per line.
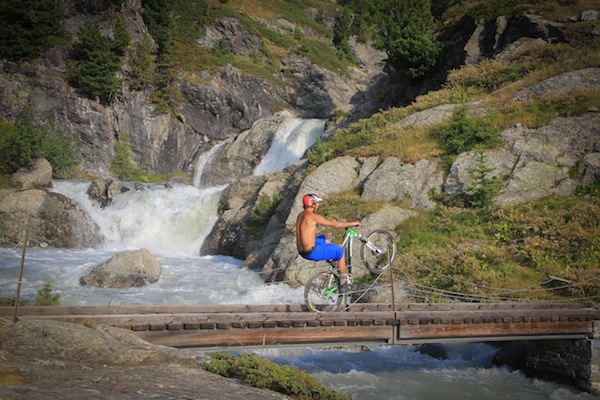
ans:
x=273 y=325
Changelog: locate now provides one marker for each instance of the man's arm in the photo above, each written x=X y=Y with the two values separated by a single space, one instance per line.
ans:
x=321 y=220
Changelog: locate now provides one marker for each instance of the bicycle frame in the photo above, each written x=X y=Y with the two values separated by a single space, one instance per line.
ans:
x=322 y=291
x=347 y=246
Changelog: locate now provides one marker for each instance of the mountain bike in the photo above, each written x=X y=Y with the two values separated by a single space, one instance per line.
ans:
x=323 y=292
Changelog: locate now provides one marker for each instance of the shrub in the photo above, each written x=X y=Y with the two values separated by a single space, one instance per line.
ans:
x=464 y=132
x=142 y=66
x=316 y=154
x=482 y=188
x=122 y=163
x=265 y=374
x=486 y=76
x=22 y=142
x=505 y=252
x=45 y=296
x=263 y=210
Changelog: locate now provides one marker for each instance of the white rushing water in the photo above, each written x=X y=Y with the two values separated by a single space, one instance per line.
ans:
x=291 y=140
x=173 y=222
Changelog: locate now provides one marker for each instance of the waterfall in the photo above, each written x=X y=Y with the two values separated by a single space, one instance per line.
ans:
x=203 y=160
x=176 y=220
x=172 y=221
x=291 y=140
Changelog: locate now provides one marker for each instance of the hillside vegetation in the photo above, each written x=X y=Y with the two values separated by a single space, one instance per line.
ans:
x=467 y=249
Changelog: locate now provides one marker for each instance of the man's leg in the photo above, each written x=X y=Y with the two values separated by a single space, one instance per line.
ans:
x=342 y=265
x=345 y=279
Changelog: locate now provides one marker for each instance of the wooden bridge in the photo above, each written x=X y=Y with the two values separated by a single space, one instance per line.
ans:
x=207 y=326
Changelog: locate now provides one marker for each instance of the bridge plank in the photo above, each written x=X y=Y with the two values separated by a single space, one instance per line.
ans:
x=269 y=308
x=496 y=331
x=270 y=337
x=204 y=325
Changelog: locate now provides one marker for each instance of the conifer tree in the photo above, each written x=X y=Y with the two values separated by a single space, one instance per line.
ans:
x=401 y=28
x=142 y=66
x=29 y=27
x=98 y=60
x=405 y=33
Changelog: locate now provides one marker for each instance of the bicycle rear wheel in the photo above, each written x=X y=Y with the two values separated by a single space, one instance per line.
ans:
x=322 y=292
x=378 y=251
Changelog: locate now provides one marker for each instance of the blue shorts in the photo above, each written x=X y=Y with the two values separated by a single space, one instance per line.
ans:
x=325 y=251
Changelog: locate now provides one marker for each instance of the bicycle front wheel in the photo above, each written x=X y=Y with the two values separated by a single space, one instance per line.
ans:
x=378 y=251
x=322 y=292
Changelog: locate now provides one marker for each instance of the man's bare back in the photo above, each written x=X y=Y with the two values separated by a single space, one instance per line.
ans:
x=306 y=232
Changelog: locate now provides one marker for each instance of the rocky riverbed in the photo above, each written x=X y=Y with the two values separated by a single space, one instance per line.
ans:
x=47 y=359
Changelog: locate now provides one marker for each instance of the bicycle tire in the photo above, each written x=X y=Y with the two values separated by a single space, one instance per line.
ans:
x=378 y=251
x=322 y=292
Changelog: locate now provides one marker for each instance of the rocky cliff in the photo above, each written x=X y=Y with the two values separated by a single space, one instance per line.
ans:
x=235 y=115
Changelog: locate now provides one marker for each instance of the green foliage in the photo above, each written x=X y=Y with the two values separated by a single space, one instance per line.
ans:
x=191 y=15
x=29 y=27
x=10 y=302
x=591 y=189
x=265 y=374
x=167 y=94
x=341 y=33
x=482 y=188
x=220 y=48
x=122 y=163
x=97 y=60
x=403 y=29
x=264 y=209
x=465 y=132
x=160 y=20
x=487 y=75
x=22 y=142
x=45 y=296
x=19 y=144
x=493 y=9
x=508 y=249
x=122 y=38
x=316 y=154
x=142 y=66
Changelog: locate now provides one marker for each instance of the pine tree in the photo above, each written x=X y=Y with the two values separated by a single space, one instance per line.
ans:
x=158 y=17
x=29 y=27
x=405 y=33
x=142 y=66
x=401 y=28
x=97 y=62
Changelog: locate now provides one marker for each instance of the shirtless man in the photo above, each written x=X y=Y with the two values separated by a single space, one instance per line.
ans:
x=316 y=248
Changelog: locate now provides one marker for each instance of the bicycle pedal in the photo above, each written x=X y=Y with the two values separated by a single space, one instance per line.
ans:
x=345 y=288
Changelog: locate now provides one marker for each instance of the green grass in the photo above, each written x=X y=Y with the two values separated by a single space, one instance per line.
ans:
x=467 y=251
x=265 y=374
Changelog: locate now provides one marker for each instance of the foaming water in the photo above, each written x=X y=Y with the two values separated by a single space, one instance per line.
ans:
x=184 y=280
x=402 y=373
x=165 y=220
x=291 y=141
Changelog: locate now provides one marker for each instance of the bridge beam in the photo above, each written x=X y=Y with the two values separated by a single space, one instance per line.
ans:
x=270 y=336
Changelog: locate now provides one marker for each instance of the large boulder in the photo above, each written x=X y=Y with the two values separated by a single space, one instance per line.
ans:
x=396 y=180
x=546 y=156
x=240 y=157
x=49 y=219
x=102 y=190
x=131 y=268
x=39 y=176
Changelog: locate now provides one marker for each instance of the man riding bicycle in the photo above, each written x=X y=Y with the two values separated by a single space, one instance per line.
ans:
x=317 y=248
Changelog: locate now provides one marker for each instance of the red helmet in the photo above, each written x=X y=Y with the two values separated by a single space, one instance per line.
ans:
x=309 y=200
